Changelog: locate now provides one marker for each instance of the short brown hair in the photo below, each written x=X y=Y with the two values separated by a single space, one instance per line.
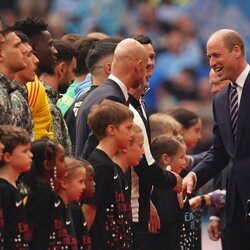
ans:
x=11 y=137
x=107 y=113
x=231 y=39
x=165 y=144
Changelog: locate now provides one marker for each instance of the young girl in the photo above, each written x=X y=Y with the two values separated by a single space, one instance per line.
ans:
x=43 y=203
x=16 y=158
x=170 y=152
x=69 y=187
x=77 y=208
x=191 y=126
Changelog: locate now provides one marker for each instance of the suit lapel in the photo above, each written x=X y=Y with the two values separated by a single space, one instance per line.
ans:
x=117 y=88
x=243 y=110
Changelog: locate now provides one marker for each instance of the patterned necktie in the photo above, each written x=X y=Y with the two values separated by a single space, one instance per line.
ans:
x=234 y=107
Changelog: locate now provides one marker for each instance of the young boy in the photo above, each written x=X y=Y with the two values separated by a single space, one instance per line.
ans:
x=16 y=158
x=133 y=154
x=108 y=213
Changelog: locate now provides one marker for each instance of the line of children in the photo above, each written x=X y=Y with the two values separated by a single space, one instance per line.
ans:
x=55 y=182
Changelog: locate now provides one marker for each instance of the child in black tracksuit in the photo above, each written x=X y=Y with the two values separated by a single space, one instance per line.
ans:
x=177 y=222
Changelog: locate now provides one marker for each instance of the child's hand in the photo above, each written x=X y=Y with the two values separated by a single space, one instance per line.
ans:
x=218 y=198
x=154 y=224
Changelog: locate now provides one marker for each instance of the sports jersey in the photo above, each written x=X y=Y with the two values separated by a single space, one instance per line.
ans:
x=50 y=220
x=112 y=226
x=40 y=109
x=14 y=230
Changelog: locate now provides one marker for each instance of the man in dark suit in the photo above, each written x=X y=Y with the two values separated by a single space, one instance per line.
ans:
x=225 y=51
x=127 y=70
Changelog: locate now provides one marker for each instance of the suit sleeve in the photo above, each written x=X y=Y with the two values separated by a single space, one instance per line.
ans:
x=156 y=176
x=215 y=159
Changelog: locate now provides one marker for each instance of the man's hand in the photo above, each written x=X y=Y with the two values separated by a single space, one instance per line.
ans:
x=154 y=224
x=189 y=183
x=178 y=186
x=214 y=230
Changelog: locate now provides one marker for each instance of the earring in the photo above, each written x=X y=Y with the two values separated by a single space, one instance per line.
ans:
x=52 y=184
x=53 y=179
x=168 y=167
x=55 y=172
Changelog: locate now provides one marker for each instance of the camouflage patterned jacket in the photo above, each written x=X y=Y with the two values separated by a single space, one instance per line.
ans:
x=21 y=109
x=6 y=112
x=60 y=128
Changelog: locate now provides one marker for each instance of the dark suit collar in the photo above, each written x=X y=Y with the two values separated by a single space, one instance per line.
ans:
x=243 y=110
x=117 y=87
x=122 y=86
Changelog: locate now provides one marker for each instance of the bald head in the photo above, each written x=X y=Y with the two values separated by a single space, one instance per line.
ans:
x=130 y=61
x=130 y=49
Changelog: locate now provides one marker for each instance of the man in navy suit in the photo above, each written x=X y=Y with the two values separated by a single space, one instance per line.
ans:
x=225 y=51
x=127 y=70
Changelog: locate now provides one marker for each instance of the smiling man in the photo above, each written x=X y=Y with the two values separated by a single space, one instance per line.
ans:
x=231 y=140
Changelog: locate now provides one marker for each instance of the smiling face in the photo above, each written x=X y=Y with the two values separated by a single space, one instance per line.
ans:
x=225 y=56
x=178 y=161
x=192 y=135
x=151 y=60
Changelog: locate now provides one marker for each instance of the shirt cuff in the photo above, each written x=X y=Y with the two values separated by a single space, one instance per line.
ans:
x=214 y=218
x=195 y=178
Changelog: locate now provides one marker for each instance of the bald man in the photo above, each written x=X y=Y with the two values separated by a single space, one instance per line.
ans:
x=226 y=54
x=127 y=71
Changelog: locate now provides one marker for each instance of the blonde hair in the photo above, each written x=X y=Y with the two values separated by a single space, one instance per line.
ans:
x=72 y=168
x=162 y=124
x=135 y=130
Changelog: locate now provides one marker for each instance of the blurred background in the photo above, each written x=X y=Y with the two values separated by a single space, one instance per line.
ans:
x=178 y=28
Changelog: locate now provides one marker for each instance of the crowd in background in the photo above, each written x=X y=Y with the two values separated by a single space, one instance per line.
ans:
x=179 y=78
x=178 y=29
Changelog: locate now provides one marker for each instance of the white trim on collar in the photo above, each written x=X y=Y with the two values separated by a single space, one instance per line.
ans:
x=121 y=85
